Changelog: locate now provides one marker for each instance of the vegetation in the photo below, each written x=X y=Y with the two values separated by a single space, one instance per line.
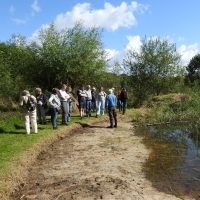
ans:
x=73 y=56
x=172 y=107
x=14 y=144
x=193 y=70
x=153 y=69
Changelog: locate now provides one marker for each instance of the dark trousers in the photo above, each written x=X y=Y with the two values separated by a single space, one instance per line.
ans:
x=88 y=107
x=112 y=116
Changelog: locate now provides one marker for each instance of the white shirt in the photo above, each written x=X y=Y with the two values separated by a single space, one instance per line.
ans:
x=63 y=95
x=89 y=94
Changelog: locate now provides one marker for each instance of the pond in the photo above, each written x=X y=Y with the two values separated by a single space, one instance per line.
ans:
x=173 y=165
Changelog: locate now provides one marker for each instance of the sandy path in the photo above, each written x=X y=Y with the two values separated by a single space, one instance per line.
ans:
x=92 y=163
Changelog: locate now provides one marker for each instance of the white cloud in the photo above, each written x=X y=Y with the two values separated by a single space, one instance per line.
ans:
x=35 y=6
x=134 y=43
x=112 y=54
x=19 y=21
x=12 y=9
x=110 y=17
x=187 y=52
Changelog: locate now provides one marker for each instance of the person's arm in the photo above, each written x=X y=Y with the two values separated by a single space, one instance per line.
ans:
x=51 y=101
x=115 y=101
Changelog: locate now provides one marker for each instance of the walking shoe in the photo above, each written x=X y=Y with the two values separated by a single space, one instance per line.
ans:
x=109 y=126
x=115 y=126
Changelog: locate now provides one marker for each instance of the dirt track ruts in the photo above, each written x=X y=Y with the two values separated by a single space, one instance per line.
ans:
x=92 y=163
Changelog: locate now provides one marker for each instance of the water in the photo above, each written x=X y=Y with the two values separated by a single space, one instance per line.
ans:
x=173 y=165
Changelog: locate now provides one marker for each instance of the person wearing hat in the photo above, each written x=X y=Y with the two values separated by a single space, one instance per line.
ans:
x=41 y=105
x=28 y=103
x=111 y=103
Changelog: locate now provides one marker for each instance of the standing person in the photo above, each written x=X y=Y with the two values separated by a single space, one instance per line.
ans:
x=100 y=107
x=123 y=97
x=64 y=103
x=28 y=103
x=111 y=103
x=119 y=103
x=70 y=100
x=88 y=101
x=81 y=93
x=93 y=91
x=41 y=105
x=55 y=104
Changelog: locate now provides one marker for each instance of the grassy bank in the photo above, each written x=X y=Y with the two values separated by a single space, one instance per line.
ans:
x=18 y=150
x=169 y=108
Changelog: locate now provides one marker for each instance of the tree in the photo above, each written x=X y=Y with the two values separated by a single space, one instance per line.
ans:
x=193 y=69
x=71 y=56
x=152 y=67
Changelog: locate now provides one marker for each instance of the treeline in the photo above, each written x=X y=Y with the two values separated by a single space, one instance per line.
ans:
x=156 y=69
x=76 y=56
x=73 y=56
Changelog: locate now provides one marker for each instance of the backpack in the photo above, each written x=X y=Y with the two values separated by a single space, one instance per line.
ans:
x=30 y=105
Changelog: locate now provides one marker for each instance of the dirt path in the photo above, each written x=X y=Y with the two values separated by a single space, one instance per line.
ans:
x=93 y=163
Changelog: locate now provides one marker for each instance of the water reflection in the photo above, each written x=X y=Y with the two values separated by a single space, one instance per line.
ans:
x=174 y=162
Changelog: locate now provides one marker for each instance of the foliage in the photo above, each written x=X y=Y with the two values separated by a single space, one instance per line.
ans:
x=169 y=108
x=74 y=56
x=193 y=70
x=153 y=68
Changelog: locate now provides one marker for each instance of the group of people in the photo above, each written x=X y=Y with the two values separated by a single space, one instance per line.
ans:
x=61 y=100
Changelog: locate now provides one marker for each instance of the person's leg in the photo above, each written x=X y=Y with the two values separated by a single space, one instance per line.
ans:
x=64 y=112
x=43 y=116
x=90 y=108
x=33 y=117
x=87 y=108
x=115 y=117
x=110 y=113
x=53 y=117
x=124 y=107
x=102 y=107
x=39 y=114
x=27 y=122
x=70 y=112
x=67 y=112
x=98 y=107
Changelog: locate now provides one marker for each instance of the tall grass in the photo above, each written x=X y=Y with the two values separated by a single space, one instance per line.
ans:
x=168 y=108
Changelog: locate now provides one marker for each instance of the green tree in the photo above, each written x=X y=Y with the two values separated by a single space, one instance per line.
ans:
x=152 y=68
x=193 y=70
x=72 y=56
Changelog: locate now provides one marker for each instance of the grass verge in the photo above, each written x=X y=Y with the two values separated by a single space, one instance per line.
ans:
x=174 y=107
x=18 y=150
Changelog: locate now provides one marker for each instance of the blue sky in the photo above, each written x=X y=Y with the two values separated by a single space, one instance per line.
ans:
x=124 y=23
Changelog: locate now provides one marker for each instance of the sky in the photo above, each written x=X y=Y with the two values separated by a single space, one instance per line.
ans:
x=124 y=23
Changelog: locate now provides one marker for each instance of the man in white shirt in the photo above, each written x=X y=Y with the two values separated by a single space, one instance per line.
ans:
x=64 y=103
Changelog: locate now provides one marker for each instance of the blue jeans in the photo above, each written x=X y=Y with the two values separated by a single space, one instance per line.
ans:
x=65 y=111
x=100 y=107
x=70 y=111
x=88 y=107
x=54 y=115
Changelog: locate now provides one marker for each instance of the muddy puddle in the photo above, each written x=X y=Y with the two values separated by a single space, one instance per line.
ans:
x=173 y=165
